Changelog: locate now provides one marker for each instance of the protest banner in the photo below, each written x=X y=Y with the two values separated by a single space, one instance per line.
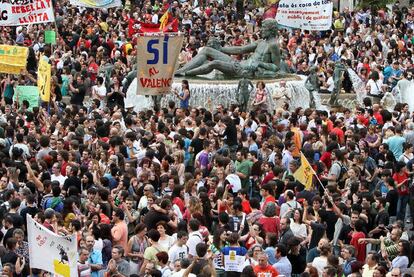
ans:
x=50 y=37
x=24 y=12
x=44 y=77
x=51 y=252
x=312 y=15
x=13 y=59
x=157 y=62
x=96 y=4
x=29 y=93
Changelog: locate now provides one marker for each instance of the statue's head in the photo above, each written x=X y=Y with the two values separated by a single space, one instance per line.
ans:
x=269 y=28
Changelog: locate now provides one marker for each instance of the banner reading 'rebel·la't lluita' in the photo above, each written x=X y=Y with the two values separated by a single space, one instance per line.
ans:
x=312 y=15
x=157 y=61
x=50 y=252
x=24 y=12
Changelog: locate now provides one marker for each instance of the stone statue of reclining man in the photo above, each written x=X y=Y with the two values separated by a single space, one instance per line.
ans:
x=264 y=61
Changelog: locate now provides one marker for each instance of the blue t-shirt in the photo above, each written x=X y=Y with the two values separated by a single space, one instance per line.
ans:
x=396 y=145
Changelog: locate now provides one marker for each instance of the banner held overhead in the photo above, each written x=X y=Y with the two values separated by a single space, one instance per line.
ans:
x=53 y=253
x=157 y=62
x=17 y=13
x=305 y=14
x=13 y=59
x=97 y=4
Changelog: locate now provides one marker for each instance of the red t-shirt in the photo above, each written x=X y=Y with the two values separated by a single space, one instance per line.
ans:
x=268 y=271
x=326 y=159
x=379 y=119
x=359 y=247
x=179 y=202
x=93 y=71
x=268 y=199
x=269 y=177
x=402 y=190
x=270 y=224
x=340 y=134
x=246 y=207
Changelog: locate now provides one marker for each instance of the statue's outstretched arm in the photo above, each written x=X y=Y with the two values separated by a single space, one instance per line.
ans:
x=236 y=50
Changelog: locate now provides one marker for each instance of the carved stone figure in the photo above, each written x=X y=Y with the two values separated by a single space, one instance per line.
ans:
x=312 y=85
x=338 y=77
x=264 y=61
x=244 y=90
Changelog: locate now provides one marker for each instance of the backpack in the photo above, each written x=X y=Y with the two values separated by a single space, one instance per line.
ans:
x=342 y=175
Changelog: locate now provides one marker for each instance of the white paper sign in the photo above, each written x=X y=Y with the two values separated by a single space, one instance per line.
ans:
x=312 y=15
x=233 y=262
x=50 y=252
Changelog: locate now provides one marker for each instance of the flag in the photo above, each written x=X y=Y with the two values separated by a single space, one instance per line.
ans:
x=165 y=18
x=304 y=173
x=51 y=252
x=135 y=26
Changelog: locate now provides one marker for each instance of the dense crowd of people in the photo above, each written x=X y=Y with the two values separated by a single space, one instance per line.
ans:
x=187 y=191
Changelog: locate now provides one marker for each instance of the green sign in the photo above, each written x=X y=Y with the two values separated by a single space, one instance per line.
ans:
x=29 y=93
x=50 y=37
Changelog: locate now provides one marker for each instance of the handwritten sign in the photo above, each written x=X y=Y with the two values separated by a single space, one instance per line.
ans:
x=44 y=78
x=28 y=93
x=24 y=12
x=313 y=15
x=61 y=258
x=157 y=62
x=13 y=59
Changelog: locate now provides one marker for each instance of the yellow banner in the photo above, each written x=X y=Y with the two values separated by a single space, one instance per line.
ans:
x=13 y=59
x=304 y=173
x=43 y=79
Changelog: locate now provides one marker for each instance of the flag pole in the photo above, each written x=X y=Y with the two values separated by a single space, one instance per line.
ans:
x=314 y=173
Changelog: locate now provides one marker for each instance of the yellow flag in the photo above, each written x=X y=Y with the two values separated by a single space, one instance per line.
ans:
x=43 y=79
x=304 y=173
x=164 y=18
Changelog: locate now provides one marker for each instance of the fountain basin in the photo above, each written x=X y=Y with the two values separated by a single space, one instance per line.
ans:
x=208 y=93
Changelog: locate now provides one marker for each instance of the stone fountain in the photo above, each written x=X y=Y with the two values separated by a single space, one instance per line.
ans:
x=214 y=73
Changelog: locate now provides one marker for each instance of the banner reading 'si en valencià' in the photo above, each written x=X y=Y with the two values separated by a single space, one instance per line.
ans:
x=157 y=62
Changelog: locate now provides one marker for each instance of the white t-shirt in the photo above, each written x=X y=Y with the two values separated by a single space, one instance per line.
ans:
x=299 y=230
x=61 y=179
x=194 y=238
x=375 y=86
x=330 y=83
x=319 y=263
x=101 y=92
x=177 y=253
